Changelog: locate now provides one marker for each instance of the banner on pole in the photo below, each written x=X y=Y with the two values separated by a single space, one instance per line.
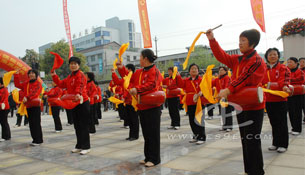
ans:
x=67 y=27
x=144 y=23
x=258 y=13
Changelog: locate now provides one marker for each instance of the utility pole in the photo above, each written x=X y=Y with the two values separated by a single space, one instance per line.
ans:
x=156 y=46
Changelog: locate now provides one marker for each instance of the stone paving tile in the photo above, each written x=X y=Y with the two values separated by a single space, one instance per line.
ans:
x=289 y=160
x=30 y=168
x=282 y=170
x=61 y=170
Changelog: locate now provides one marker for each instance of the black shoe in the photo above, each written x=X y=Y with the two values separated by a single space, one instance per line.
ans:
x=132 y=139
x=127 y=138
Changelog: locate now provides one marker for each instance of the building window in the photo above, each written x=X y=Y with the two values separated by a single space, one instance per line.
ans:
x=134 y=58
x=87 y=41
x=93 y=69
x=130 y=44
x=130 y=27
x=128 y=58
x=130 y=36
x=106 y=33
x=100 y=56
x=93 y=58
x=98 y=43
x=98 y=33
x=106 y=41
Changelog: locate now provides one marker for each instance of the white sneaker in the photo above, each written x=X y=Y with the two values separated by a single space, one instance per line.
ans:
x=2 y=140
x=281 y=150
x=57 y=131
x=35 y=144
x=177 y=127
x=91 y=134
x=210 y=118
x=170 y=127
x=228 y=130
x=16 y=126
x=126 y=127
x=295 y=133
x=272 y=148
x=68 y=124
x=199 y=142
x=85 y=151
x=75 y=150
x=193 y=141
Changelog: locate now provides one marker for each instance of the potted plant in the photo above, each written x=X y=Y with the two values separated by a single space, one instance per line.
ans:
x=293 y=35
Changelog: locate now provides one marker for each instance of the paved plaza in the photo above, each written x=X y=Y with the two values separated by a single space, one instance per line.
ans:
x=111 y=154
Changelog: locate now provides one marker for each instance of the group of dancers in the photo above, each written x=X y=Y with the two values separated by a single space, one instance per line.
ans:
x=248 y=70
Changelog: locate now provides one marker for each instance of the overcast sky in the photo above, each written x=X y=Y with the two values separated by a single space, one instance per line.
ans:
x=28 y=24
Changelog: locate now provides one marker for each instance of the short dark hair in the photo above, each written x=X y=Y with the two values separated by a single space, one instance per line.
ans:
x=171 y=68
x=149 y=54
x=293 y=59
x=1 y=80
x=90 y=76
x=252 y=35
x=33 y=71
x=302 y=58
x=223 y=67
x=131 y=67
x=272 y=49
x=74 y=59
x=193 y=64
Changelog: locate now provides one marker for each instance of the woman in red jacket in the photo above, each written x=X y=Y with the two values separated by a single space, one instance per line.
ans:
x=144 y=81
x=248 y=69
x=191 y=88
x=76 y=84
x=4 y=110
x=222 y=82
x=32 y=89
x=55 y=92
x=276 y=106
x=91 y=92
x=295 y=102
x=173 y=100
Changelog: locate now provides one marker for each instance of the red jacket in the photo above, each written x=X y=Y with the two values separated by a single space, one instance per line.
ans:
x=75 y=83
x=221 y=82
x=189 y=88
x=278 y=73
x=171 y=84
x=297 y=76
x=31 y=90
x=55 y=92
x=120 y=88
x=99 y=93
x=4 y=98
x=91 y=91
x=145 y=80
x=247 y=70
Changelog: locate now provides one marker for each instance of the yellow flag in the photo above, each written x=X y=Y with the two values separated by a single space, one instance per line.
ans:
x=15 y=94
x=175 y=72
x=115 y=100
x=162 y=74
x=198 y=112
x=134 y=103
x=7 y=77
x=206 y=85
x=50 y=111
x=127 y=79
x=277 y=93
x=191 y=49
x=113 y=89
x=229 y=73
x=123 y=48
x=22 y=110
x=184 y=103
x=114 y=63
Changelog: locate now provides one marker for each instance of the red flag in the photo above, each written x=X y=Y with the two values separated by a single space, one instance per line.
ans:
x=67 y=27
x=144 y=23
x=58 y=61
x=258 y=13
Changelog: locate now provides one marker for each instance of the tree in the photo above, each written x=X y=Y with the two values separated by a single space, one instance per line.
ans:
x=164 y=67
x=203 y=58
x=31 y=58
x=62 y=48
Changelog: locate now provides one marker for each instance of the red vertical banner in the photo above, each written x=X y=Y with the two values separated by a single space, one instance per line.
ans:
x=258 y=13
x=67 y=26
x=144 y=23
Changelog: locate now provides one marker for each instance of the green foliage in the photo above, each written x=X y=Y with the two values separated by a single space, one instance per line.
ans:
x=62 y=48
x=30 y=56
x=164 y=67
x=203 y=58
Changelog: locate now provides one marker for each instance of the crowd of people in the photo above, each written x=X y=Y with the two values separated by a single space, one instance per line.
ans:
x=248 y=70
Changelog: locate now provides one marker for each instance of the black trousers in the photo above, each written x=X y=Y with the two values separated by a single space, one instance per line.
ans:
x=95 y=114
x=295 y=104
x=81 y=115
x=19 y=120
x=132 y=117
x=55 y=113
x=91 y=120
x=250 y=127
x=34 y=115
x=173 y=108
x=277 y=113
x=99 y=111
x=210 y=108
x=122 y=114
x=198 y=130
x=150 y=122
x=227 y=119
x=69 y=116
x=304 y=107
x=12 y=110
x=5 y=127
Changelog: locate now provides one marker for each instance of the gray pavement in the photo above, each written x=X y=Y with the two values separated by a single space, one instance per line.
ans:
x=112 y=154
